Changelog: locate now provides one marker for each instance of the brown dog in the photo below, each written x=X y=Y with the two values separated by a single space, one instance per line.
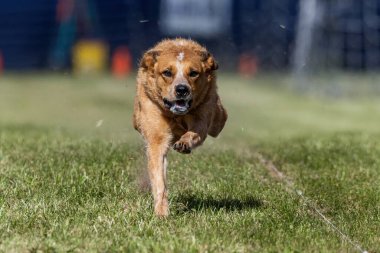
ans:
x=176 y=105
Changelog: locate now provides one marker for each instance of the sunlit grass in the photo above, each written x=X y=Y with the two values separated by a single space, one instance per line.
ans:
x=70 y=162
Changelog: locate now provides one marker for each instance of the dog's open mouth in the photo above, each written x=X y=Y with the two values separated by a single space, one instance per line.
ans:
x=179 y=107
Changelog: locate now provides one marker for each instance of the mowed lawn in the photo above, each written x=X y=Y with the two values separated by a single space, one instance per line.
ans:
x=71 y=166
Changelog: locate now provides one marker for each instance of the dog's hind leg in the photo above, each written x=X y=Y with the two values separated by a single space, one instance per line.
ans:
x=219 y=119
x=156 y=152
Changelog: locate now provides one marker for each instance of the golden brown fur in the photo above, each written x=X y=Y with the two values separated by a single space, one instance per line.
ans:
x=176 y=105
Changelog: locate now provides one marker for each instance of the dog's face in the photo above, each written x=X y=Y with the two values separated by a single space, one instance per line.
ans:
x=180 y=73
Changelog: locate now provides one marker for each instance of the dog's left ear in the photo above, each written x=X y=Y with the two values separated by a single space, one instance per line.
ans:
x=208 y=60
x=149 y=59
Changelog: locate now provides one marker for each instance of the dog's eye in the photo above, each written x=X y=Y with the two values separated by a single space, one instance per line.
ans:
x=167 y=73
x=193 y=73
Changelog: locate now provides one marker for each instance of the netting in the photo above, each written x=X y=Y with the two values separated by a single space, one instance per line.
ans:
x=253 y=35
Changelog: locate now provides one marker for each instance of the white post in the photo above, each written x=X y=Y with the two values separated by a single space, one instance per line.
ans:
x=306 y=20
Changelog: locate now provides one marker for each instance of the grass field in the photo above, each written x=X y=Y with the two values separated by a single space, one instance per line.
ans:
x=70 y=163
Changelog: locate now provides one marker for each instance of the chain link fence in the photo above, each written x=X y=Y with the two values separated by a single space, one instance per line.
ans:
x=302 y=37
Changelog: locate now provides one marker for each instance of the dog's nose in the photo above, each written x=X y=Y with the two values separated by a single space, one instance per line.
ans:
x=181 y=90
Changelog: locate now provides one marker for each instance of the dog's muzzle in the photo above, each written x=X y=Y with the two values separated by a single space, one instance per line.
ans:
x=178 y=106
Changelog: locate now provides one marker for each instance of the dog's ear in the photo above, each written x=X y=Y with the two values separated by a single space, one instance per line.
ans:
x=208 y=60
x=149 y=59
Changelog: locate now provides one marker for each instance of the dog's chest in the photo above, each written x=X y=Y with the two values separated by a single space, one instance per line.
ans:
x=178 y=126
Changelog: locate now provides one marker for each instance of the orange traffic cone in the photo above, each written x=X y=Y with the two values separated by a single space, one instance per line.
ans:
x=121 y=62
x=248 y=65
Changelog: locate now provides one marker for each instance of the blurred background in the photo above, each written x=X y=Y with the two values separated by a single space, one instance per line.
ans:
x=51 y=49
x=245 y=35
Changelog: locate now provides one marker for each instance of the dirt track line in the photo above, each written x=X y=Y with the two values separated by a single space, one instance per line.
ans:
x=290 y=188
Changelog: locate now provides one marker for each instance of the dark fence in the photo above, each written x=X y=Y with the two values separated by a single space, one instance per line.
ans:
x=39 y=34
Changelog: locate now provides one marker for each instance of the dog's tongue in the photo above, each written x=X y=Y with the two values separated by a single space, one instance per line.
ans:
x=179 y=107
x=180 y=103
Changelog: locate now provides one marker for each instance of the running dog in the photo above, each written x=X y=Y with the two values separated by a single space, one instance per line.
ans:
x=176 y=105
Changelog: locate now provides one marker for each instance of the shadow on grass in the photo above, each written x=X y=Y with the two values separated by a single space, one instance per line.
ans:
x=189 y=203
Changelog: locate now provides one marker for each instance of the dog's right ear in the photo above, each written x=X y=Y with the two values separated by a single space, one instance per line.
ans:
x=149 y=59
x=208 y=60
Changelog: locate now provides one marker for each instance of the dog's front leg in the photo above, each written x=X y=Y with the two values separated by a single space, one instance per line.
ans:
x=156 y=152
x=195 y=136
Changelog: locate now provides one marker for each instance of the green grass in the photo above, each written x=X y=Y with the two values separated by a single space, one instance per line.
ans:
x=70 y=184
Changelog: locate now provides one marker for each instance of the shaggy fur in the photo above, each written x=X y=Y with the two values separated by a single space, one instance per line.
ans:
x=176 y=105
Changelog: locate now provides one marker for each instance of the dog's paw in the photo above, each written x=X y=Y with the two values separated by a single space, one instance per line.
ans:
x=182 y=147
x=162 y=209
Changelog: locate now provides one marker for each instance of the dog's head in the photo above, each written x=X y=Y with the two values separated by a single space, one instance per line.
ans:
x=180 y=73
